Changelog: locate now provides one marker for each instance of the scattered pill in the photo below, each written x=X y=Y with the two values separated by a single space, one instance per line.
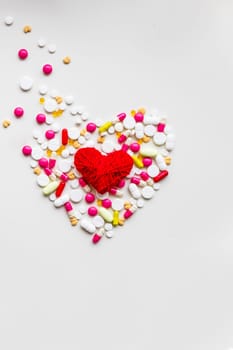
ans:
x=27 y=29
x=47 y=69
x=27 y=150
x=9 y=20
x=66 y=60
x=18 y=112
x=26 y=83
x=52 y=48
x=41 y=42
x=23 y=54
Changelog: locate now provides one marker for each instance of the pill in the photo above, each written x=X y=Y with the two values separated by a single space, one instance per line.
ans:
x=47 y=69
x=153 y=170
x=107 y=147
x=66 y=60
x=97 y=237
x=37 y=153
x=161 y=127
x=154 y=120
x=107 y=203
x=65 y=137
x=64 y=165
x=149 y=130
x=87 y=226
x=43 y=162
x=41 y=118
x=27 y=29
x=92 y=211
x=59 y=202
x=148 y=151
x=98 y=221
x=139 y=130
x=91 y=127
x=106 y=214
x=170 y=142
x=147 y=192
x=117 y=204
x=156 y=186
x=139 y=117
x=118 y=127
x=137 y=161
x=135 y=147
x=9 y=20
x=42 y=180
x=50 y=188
x=83 y=208
x=109 y=234
x=161 y=176
x=129 y=123
x=18 y=112
x=69 y=99
x=159 y=138
x=41 y=42
x=161 y=162
x=115 y=217
x=49 y=134
x=89 y=197
x=23 y=54
x=65 y=153
x=50 y=105
x=105 y=127
x=140 y=203
x=52 y=48
x=27 y=150
x=60 y=189
x=53 y=145
x=43 y=89
x=134 y=191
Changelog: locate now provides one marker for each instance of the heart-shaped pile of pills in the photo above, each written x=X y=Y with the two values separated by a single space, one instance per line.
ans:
x=100 y=172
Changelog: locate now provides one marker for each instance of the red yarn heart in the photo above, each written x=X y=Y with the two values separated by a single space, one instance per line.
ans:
x=102 y=172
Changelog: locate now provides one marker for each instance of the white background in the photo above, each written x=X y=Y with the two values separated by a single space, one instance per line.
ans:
x=166 y=279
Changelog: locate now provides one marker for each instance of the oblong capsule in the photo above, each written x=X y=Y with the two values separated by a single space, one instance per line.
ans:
x=50 y=188
x=60 y=201
x=106 y=214
x=134 y=191
x=148 y=151
x=160 y=176
x=87 y=226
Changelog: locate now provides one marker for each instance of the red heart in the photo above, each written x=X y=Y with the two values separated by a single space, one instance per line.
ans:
x=102 y=172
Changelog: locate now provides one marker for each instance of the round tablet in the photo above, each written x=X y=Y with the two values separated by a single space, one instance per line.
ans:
x=129 y=122
x=107 y=147
x=108 y=226
x=147 y=192
x=111 y=130
x=119 y=127
x=54 y=145
x=42 y=180
x=98 y=221
x=140 y=203
x=69 y=100
x=37 y=153
x=74 y=110
x=117 y=204
x=153 y=170
x=73 y=133
x=50 y=105
x=109 y=234
x=81 y=140
x=149 y=130
x=56 y=127
x=43 y=89
x=156 y=186
x=52 y=48
x=64 y=165
x=74 y=183
x=82 y=208
x=9 y=20
x=52 y=197
x=65 y=153
x=76 y=195
x=26 y=83
x=159 y=138
x=41 y=42
x=49 y=120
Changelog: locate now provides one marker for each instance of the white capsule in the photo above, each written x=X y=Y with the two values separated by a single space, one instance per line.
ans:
x=161 y=162
x=60 y=201
x=25 y=83
x=134 y=191
x=139 y=130
x=87 y=226
x=170 y=143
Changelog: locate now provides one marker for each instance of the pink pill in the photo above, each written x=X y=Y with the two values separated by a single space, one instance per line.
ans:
x=47 y=69
x=92 y=211
x=139 y=117
x=27 y=150
x=106 y=203
x=121 y=183
x=49 y=134
x=91 y=127
x=147 y=161
x=161 y=127
x=40 y=118
x=23 y=53
x=135 y=147
x=43 y=163
x=18 y=112
x=121 y=116
x=90 y=197
x=144 y=176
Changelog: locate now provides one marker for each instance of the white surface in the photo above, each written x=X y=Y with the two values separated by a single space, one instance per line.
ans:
x=165 y=280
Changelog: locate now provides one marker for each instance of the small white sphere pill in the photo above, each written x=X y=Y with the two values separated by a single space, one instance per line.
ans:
x=159 y=138
x=60 y=201
x=118 y=127
x=54 y=145
x=65 y=153
x=73 y=133
x=25 y=83
x=153 y=170
x=52 y=48
x=83 y=208
x=44 y=145
x=109 y=234
x=56 y=127
x=107 y=146
x=140 y=203
x=149 y=130
x=117 y=204
x=69 y=100
x=37 y=153
x=87 y=226
x=52 y=197
x=50 y=105
x=71 y=150
x=129 y=122
x=76 y=195
x=147 y=192
x=9 y=20
x=98 y=221
x=64 y=165
x=74 y=183
x=33 y=163
x=108 y=226
x=49 y=120
x=43 y=89
x=156 y=186
x=81 y=140
x=84 y=116
x=41 y=42
x=42 y=180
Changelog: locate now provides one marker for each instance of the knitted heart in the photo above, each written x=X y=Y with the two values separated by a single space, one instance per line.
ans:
x=102 y=172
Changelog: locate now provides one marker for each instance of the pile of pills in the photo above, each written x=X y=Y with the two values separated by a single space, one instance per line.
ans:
x=62 y=127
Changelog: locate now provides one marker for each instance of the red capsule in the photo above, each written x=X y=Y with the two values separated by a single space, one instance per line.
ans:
x=64 y=137
x=160 y=176
x=60 y=189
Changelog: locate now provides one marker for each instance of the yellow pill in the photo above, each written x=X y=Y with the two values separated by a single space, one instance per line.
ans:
x=127 y=205
x=49 y=153
x=6 y=123
x=27 y=29
x=142 y=110
x=115 y=217
x=76 y=144
x=106 y=214
x=59 y=99
x=121 y=221
x=42 y=100
x=137 y=161
x=146 y=139
x=37 y=171
x=105 y=127
x=71 y=175
x=133 y=112
x=50 y=188
x=83 y=132
x=66 y=60
x=100 y=139
x=168 y=160
x=99 y=202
